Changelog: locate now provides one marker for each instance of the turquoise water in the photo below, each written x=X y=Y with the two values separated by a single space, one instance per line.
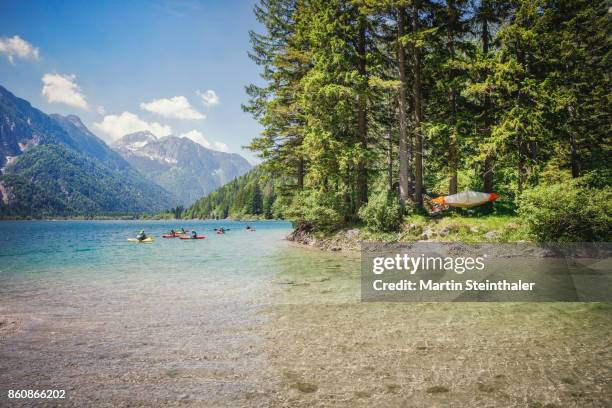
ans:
x=92 y=247
x=249 y=319
x=83 y=309
x=96 y=256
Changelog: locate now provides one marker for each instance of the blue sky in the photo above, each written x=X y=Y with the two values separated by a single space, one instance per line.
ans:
x=123 y=65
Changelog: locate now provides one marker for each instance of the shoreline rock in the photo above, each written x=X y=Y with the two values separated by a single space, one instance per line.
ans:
x=344 y=240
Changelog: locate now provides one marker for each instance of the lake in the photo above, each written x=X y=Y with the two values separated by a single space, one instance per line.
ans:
x=249 y=319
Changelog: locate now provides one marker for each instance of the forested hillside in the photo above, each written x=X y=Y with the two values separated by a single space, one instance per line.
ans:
x=248 y=196
x=52 y=180
x=405 y=100
x=53 y=165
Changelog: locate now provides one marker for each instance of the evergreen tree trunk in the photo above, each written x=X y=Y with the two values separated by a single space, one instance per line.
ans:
x=574 y=157
x=453 y=162
x=348 y=200
x=487 y=175
x=418 y=144
x=452 y=180
x=485 y=30
x=573 y=151
x=300 y=172
x=362 y=176
x=404 y=142
x=390 y=161
x=520 y=165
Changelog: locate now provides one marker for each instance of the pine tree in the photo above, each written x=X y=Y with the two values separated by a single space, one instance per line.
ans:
x=499 y=91
x=281 y=53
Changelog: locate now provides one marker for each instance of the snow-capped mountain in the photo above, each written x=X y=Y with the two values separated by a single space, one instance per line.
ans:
x=53 y=165
x=180 y=165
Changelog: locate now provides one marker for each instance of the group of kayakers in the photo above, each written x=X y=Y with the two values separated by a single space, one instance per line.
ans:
x=183 y=233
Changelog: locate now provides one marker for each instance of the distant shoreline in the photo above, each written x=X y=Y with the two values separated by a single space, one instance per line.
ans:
x=101 y=218
x=132 y=218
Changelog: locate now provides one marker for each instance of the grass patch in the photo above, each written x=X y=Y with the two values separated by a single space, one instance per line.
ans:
x=454 y=227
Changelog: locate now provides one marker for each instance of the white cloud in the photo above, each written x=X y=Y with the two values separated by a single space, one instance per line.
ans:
x=177 y=107
x=222 y=147
x=209 y=98
x=101 y=110
x=117 y=126
x=17 y=47
x=197 y=137
x=63 y=89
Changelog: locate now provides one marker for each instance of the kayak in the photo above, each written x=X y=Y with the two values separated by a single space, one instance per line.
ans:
x=176 y=234
x=466 y=199
x=220 y=233
x=144 y=241
x=198 y=237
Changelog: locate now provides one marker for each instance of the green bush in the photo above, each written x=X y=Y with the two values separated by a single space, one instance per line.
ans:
x=383 y=212
x=322 y=210
x=572 y=211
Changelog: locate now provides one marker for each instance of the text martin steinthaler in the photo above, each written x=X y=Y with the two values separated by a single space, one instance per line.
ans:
x=456 y=264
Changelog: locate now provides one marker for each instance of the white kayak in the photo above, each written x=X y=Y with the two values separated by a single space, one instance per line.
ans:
x=466 y=199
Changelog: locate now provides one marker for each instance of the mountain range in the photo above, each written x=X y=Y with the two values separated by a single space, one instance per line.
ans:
x=180 y=165
x=52 y=165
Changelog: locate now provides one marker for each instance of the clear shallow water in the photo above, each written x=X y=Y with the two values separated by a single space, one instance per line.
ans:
x=39 y=255
x=175 y=321
x=247 y=319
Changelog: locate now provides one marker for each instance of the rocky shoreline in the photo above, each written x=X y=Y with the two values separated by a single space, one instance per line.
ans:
x=449 y=230
x=345 y=240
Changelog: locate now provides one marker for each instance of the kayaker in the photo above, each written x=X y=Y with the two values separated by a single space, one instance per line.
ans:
x=173 y=232
x=194 y=234
x=141 y=236
x=222 y=230
x=183 y=230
